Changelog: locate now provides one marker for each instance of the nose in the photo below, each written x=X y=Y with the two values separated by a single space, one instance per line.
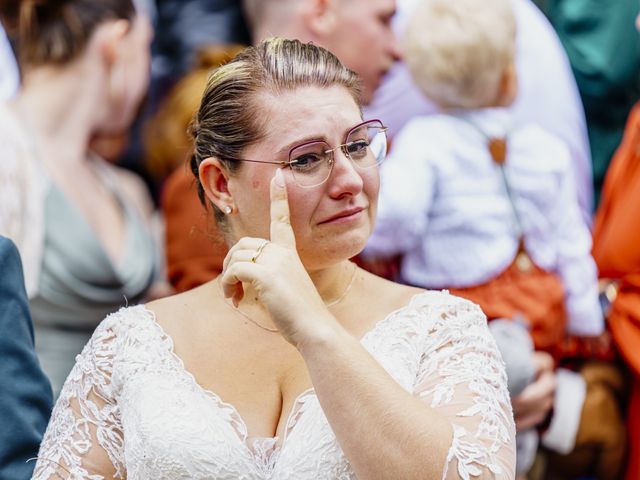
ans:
x=345 y=178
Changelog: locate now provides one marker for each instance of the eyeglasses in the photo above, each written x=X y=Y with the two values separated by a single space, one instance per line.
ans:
x=311 y=162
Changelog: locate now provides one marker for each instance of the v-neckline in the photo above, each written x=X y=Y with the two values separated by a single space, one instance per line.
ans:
x=236 y=420
x=116 y=264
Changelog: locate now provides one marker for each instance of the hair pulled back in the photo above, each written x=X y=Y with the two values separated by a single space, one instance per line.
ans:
x=229 y=119
x=56 y=31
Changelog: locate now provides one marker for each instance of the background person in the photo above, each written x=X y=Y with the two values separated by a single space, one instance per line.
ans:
x=604 y=51
x=25 y=402
x=474 y=202
x=547 y=92
x=80 y=223
x=616 y=249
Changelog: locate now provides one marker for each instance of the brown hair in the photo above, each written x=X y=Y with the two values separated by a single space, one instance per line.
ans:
x=229 y=119
x=165 y=136
x=56 y=31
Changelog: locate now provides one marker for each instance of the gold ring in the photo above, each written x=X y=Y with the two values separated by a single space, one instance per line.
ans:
x=259 y=251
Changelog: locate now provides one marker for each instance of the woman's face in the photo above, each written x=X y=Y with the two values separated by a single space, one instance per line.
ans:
x=133 y=71
x=331 y=221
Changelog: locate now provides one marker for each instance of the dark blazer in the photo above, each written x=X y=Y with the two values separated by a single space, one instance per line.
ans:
x=25 y=392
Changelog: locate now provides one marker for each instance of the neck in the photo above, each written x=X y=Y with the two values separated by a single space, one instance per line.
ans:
x=59 y=106
x=333 y=283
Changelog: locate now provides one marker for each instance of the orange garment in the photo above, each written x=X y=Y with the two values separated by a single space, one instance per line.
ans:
x=536 y=295
x=616 y=250
x=195 y=248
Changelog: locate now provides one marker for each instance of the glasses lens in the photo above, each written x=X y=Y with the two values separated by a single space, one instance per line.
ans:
x=310 y=163
x=367 y=144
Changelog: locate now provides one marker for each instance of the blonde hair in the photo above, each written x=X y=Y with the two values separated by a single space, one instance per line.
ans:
x=230 y=119
x=458 y=50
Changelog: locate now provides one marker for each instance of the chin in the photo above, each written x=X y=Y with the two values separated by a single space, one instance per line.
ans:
x=331 y=250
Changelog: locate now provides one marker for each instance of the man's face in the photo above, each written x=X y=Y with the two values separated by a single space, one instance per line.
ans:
x=364 y=41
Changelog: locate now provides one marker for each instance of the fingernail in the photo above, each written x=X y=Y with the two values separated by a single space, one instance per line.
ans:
x=279 y=178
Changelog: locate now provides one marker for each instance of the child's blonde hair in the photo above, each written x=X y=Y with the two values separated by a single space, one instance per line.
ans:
x=459 y=50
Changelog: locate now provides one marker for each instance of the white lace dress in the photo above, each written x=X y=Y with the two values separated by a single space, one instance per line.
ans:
x=129 y=409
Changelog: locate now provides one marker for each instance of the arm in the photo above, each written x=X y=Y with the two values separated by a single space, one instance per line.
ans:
x=531 y=407
x=25 y=403
x=458 y=420
x=84 y=439
x=576 y=266
x=456 y=424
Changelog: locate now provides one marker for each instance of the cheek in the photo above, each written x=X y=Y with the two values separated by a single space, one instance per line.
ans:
x=302 y=204
x=371 y=184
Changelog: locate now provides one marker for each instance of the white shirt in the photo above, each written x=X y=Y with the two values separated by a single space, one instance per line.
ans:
x=9 y=73
x=547 y=92
x=444 y=207
x=130 y=409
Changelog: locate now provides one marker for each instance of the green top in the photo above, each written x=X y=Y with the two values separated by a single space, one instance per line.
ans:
x=79 y=284
x=603 y=46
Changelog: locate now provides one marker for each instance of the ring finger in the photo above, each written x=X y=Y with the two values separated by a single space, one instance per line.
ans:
x=238 y=251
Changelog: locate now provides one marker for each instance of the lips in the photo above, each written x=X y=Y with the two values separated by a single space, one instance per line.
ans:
x=343 y=215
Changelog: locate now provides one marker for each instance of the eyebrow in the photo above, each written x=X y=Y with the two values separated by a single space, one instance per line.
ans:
x=311 y=138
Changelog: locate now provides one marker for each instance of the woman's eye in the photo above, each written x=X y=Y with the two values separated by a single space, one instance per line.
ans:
x=306 y=161
x=358 y=148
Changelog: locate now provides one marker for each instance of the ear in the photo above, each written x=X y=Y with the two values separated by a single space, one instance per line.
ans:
x=109 y=38
x=508 y=89
x=320 y=17
x=214 y=178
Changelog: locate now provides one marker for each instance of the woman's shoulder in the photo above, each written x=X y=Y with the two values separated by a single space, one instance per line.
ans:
x=124 y=321
x=439 y=307
x=170 y=313
x=443 y=320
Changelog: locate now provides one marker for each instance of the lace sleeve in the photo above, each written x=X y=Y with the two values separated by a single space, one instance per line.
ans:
x=462 y=376
x=84 y=439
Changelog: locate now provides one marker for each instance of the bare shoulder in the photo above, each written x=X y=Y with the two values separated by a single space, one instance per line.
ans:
x=188 y=308
x=388 y=295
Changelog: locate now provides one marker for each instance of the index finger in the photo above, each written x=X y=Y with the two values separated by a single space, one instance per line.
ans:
x=281 y=231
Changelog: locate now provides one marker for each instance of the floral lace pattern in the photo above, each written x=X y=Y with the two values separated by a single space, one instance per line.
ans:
x=129 y=409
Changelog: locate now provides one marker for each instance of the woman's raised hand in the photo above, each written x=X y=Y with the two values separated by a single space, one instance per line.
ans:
x=274 y=270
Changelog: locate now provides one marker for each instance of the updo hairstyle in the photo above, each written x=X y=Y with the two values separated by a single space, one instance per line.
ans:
x=56 y=31
x=230 y=118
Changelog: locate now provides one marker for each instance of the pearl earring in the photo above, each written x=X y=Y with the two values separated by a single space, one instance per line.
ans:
x=228 y=210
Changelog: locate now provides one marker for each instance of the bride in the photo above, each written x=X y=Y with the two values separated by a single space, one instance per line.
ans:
x=293 y=363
